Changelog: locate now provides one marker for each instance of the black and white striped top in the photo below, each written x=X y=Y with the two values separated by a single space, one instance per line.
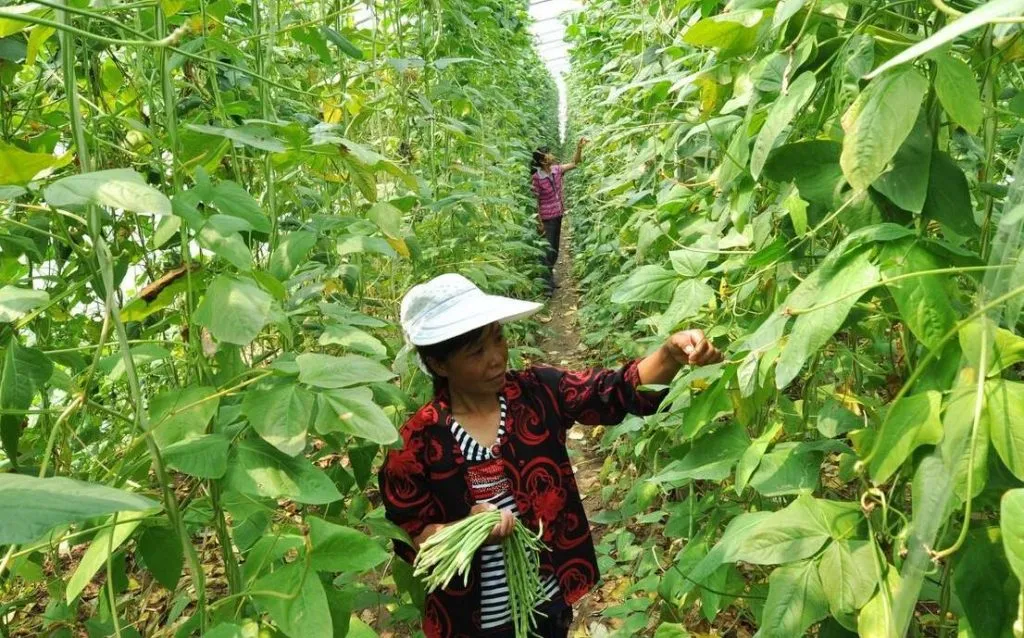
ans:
x=494 y=609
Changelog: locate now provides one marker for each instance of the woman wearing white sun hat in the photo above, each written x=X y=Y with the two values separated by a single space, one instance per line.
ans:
x=494 y=438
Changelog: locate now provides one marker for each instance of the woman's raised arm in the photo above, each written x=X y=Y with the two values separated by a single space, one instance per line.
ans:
x=688 y=346
x=577 y=158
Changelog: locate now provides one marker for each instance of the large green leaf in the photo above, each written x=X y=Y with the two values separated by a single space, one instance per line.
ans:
x=752 y=456
x=116 y=188
x=923 y=301
x=647 y=283
x=233 y=200
x=19 y=167
x=250 y=629
x=103 y=545
x=234 y=309
x=876 y=618
x=984 y=584
x=353 y=411
x=690 y=262
x=957 y=442
x=143 y=355
x=732 y=33
x=848 y=567
x=294 y=599
x=813 y=165
x=30 y=506
x=280 y=412
x=220 y=235
x=290 y=252
x=906 y=183
x=355 y=244
x=11 y=25
x=1011 y=521
x=258 y=469
x=796 y=600
x=671 y=630
x=326 y=371
x=204 y=456
x=178 y=415
x=877 y=124
x=25 y=372
x=337 y=548
x=957 y=89
x=688 y=298
x=813 y=329
x=733 y=165
x=912 y=422
x=949 y=196
x=387 y=218
x=704 y=410
x=790 y=534
x=785 y=10
x=1004 y=409
x=359 y=629
x=1002 y=347
x=710 y=458
x=790 y=468
x=781 y=115
x=248 y=135
x=734 y=536
x=161 y=551
x=354 y=339
x=992 y=10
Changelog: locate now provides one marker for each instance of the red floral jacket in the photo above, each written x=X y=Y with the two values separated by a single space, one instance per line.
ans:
x=424 y=482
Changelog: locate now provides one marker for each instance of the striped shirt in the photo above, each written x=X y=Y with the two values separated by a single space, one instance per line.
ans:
x=488 y=484
x=548 y=189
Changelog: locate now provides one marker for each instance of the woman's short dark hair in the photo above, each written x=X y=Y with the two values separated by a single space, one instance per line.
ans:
x=538 y=158
x=444 y=350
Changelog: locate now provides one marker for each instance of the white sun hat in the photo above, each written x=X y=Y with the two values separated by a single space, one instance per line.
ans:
x=450 y=305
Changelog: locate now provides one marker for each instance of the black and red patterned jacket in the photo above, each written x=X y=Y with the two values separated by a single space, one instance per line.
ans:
x=425 y=481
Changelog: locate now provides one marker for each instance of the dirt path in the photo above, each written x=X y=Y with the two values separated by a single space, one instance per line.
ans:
x=563 y=348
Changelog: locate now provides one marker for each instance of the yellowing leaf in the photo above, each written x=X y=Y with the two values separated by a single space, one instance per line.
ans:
x=10 y=26
x=332 y=112
x=399 y=245
x=20 y=167
x=39 y=35
x=171 y=7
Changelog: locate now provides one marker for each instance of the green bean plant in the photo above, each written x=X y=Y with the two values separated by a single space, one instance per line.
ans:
x=832 y=191
x=209 y=210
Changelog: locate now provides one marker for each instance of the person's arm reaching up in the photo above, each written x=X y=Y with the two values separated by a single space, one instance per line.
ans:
x=577 y=158
x=686 y=347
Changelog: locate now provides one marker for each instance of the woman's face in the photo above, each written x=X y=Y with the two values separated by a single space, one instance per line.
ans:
x=549 y=159
x=478 y=368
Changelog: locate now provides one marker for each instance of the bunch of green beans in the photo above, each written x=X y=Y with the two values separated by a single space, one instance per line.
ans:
x=450 y=552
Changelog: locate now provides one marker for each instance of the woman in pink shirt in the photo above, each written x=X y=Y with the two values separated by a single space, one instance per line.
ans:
x=547 y=186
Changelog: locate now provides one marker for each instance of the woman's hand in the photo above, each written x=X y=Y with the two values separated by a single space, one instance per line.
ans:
x=691 y=346
x=583 y=142
x=686 y=347
x=502 y=529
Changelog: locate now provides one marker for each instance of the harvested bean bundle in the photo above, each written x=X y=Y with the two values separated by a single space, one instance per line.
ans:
x=450 y=552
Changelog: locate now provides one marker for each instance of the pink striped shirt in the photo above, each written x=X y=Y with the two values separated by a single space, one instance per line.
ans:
x=548 y=189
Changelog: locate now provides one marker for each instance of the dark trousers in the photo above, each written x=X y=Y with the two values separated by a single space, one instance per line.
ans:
x=554 y=624
x=553 y=233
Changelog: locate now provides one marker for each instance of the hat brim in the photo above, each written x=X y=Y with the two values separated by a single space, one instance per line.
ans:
x=476 y=312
